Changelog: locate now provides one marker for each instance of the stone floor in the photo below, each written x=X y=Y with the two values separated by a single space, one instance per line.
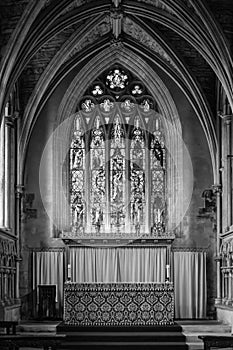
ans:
x=190 y=328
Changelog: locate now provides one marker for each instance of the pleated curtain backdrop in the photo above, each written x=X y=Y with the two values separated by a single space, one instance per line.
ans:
x=118 y=264
x=190 y=284
x=48 y=268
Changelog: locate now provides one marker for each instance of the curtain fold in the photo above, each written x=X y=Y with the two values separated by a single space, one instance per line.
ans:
x=190 y=284
x=132 y=265
x=48 y=268
x=118 y=264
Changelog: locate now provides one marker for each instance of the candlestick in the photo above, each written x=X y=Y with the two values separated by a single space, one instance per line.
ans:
x=7 y=110
x=159 y=215
x=97 y=215
x=97 y=123
x=138 y=215
x=167 y=272
x=77 y=124
x=69 y=271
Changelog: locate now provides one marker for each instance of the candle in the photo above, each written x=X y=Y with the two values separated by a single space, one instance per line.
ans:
x=77 y=124
x=159 y=215
x=97 y=123
x=167 y=272
x=69 y=271
x=97 y=216
x=7 y=110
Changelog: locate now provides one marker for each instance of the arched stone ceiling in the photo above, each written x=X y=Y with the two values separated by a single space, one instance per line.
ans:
x=53 y=37
x=77 y=49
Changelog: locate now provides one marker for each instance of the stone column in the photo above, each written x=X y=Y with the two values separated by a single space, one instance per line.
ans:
x=1 y=284
x=225 y=286
x=229 y=293
x=7 y=176
x=19 y=190
x=217 y=189
x=229 y=175
x=227 y=124
x=2 y=175
x=18 y=198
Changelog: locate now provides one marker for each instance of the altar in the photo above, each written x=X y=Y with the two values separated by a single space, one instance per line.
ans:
x=118 y=304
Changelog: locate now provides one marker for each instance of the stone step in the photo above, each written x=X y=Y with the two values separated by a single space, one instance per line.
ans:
x=193 y=337
x=141 y=337
x=192 y=329
x=62 y=327
x=204 y=326
x=123 y=346
x=195 y=346
x=222 y=328
x=38 y=327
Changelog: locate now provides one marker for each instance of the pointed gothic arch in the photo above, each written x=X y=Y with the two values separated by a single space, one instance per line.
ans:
x=167 y=112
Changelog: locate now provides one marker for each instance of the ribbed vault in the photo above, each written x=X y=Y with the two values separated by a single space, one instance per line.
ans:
x=90 y=25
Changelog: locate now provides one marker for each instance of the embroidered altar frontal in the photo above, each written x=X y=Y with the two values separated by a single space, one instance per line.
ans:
x=118 y=304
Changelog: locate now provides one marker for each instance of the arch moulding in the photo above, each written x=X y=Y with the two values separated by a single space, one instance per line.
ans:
x=176 y=184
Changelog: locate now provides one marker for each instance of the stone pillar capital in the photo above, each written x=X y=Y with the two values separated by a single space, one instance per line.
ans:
x=227 y=118
x=217 y=188
x=19 y=190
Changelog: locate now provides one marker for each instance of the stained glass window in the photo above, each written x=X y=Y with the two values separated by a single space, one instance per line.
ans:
x=117 y=176
x=98 y=176
x=118 y=166
x=77 y=177
x=137 y=177
x=157 y=158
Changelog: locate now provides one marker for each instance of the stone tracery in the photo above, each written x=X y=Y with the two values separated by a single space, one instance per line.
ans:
x=113 y=211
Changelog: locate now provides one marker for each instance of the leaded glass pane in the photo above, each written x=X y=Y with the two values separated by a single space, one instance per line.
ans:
x=77 y=176
x=137 y=178
x=117 y=177
x=158 y=204
x=98 y=175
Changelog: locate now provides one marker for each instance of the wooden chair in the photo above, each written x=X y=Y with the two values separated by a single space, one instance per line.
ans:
x=10 y=326
x=47 y=302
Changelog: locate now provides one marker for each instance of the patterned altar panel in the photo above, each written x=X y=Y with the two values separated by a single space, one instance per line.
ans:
x=98 y=175
x=77 y=168
x=117 y=177
x=137 y=177
x=118 y=304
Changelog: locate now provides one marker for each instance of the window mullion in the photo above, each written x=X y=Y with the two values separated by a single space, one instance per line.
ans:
x=127 y=186
x=2 y=169
x=148 y=223
x=87 y=195
x=108 y=179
